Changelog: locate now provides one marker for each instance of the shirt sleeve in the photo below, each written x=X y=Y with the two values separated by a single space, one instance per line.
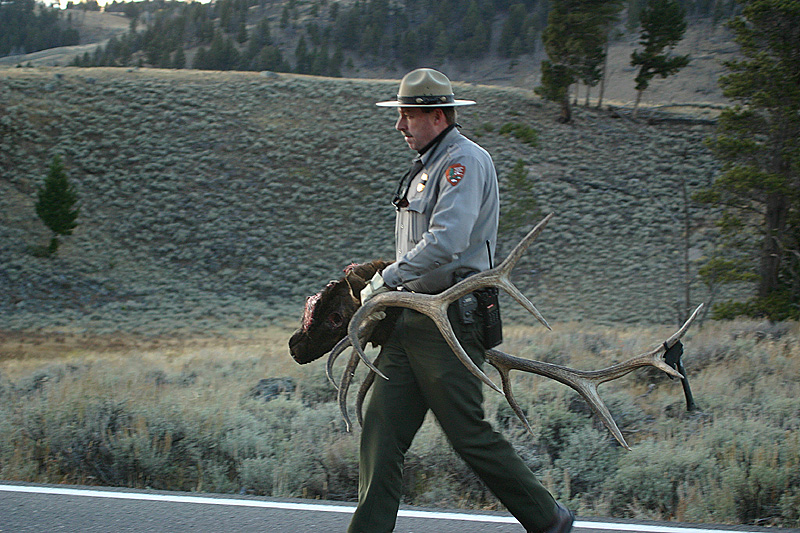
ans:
x=460 y=195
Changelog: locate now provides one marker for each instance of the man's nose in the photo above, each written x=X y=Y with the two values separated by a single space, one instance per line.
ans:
x=400 y=125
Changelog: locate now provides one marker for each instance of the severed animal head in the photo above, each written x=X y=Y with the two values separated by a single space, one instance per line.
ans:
x=327 y=313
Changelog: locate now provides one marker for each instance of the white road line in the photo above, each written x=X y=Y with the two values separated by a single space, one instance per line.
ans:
x=580 y=524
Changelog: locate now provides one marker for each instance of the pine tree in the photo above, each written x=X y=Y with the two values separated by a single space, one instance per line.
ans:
x=56 y=204
x=758 y=141
x=179 y=59
x=557 y=71
x=574 y=40
x=663 y=26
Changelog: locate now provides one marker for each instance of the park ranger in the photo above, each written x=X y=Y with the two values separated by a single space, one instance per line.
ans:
x=446 y=228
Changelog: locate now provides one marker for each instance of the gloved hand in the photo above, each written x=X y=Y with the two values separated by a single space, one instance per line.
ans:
x=375 y=286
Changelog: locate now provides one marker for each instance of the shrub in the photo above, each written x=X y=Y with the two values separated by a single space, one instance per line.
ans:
x=523 y=133
x=188 y=422
x=650 y=479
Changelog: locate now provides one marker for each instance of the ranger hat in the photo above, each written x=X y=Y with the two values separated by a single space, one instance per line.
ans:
x=425 y=87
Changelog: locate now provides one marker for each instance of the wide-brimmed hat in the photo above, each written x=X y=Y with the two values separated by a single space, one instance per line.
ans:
x=425 y=87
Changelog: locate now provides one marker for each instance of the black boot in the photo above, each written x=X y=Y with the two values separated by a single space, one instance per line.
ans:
x=563 y=522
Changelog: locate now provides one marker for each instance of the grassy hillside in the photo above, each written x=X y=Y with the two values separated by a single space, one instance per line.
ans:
x=217 y=200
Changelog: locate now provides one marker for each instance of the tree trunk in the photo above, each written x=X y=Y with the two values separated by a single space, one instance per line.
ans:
x=566 y=110
x=52 y=248
x=602 y=89
x=775 y=227
x=636 y=103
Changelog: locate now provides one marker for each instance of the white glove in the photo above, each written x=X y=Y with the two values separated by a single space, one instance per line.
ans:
x=375 y=286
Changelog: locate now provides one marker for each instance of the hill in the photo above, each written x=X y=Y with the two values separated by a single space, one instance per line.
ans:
x=708 y=43
x=220 y=200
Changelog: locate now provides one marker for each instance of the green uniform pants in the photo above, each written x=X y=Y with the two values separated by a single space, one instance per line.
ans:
x=425 y=374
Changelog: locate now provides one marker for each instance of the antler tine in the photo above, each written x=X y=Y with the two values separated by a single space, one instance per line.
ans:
x=497 y=278
x=585 y=382
x=509 y=262
x=360 y=328
x=344 y=386
x=334 y=354
x=432 y=305
x=493 y=357
x=362 y=394
x=678 y=335
x=654 y=357
x=363 y=333
x=500 y=275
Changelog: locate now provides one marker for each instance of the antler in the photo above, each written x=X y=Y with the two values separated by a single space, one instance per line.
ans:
x=435 y=305
x=584 y=382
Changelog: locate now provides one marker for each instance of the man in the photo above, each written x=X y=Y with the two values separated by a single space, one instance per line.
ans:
x=446 y=227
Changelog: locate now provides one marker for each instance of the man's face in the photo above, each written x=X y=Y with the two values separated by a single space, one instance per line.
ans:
x=419 y=128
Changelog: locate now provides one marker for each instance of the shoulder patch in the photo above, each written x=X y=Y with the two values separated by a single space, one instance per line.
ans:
x=454 y=173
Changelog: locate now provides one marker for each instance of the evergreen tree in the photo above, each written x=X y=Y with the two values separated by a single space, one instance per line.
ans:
x=758 y=141
x=302 y=57
x=56 y=204
x=475 y=35
x=179 y=60
x=557 y=72
x=26 y=27
x=663 y=26
x=600 y=18
x=609 y=16
x=574 y=41
x=519 y=32
x=555 y=82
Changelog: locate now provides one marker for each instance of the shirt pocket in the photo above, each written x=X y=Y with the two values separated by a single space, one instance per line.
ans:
x=417 y=220
x=419 y=212
x=420 y=195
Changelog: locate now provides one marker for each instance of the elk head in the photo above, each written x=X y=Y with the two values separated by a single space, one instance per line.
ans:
x=327 y=313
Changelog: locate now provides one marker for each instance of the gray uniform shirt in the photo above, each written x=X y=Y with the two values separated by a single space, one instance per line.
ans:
x=453 y=210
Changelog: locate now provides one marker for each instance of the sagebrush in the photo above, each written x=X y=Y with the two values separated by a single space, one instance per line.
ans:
x=184 y=417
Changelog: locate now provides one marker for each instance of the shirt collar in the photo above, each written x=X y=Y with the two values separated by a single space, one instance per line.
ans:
x=435 y=142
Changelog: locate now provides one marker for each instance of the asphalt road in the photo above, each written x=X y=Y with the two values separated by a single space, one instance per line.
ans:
x=48 y=508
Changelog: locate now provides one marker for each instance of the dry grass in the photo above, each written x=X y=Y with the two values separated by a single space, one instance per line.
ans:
x=177 y=413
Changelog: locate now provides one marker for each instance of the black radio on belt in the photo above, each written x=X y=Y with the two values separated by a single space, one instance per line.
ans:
x=483 y=301
x=489 y=306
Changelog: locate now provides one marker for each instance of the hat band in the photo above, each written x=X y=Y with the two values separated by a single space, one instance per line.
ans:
x=426 y=100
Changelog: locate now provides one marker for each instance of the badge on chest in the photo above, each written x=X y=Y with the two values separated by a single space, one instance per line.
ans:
x=423 y=181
